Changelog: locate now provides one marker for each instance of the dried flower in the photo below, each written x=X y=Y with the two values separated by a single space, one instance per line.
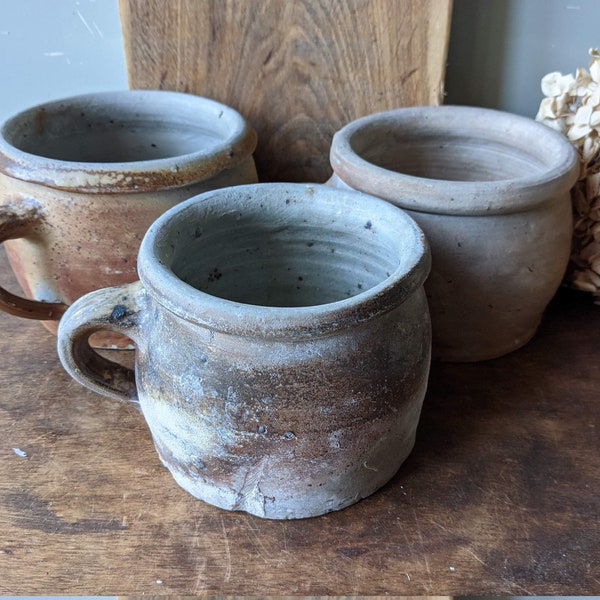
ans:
x=572 y=106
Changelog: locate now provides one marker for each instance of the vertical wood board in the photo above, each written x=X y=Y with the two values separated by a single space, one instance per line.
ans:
x=297 y=69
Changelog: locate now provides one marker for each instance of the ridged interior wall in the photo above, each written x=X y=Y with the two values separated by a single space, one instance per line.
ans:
x=274 y=264
x=85 y=132
x=446 y=156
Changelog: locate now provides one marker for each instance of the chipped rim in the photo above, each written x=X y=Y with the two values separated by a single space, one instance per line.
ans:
x=157 y=251
x=238 y=141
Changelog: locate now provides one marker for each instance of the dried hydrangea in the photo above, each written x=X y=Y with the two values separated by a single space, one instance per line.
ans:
x=572 y=106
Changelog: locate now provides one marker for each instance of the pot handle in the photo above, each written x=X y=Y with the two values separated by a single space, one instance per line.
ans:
x=15 y=223
x=118 y=309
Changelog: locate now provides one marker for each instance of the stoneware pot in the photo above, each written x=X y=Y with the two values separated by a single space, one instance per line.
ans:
x=283 y=345
x=491 y=192
x=82 y=179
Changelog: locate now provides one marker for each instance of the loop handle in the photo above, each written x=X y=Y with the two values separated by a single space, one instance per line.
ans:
x=15 y=223
x=117 y=309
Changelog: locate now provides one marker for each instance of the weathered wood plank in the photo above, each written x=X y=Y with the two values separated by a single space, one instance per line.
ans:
x=297 y=70
x=499 y=497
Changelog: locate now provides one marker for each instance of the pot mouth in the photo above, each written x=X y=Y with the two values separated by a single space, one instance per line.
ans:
x=124 y=141
x=282 y=260
x=454 y=159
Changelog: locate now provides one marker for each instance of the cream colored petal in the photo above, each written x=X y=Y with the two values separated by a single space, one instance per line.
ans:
x=593 y=278
x=581 y=282
x=582 y=115
x=555 y=84
x=576 y=133
x=592 y=188
x=582 y=82
x=593 y=97
x=589 y=251
x=547 y=109
x=595 y=65
x=590 y=148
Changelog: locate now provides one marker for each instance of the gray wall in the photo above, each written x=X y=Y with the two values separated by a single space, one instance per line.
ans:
x=55 y=48
x=499 y=49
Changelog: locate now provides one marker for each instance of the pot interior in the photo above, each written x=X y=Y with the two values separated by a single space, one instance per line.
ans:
x=104 y=131
x=446 y=155
x=270 y=259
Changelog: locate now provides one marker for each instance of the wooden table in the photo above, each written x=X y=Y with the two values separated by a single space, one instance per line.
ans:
x=500 y=496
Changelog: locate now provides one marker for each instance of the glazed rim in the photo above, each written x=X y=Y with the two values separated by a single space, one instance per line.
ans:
x=553 y=160
x=236 y=141
x=159 y=249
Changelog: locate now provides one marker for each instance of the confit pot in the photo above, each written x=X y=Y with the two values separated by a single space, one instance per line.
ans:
x=491 y=192
x=282 y=345
x=82 y=179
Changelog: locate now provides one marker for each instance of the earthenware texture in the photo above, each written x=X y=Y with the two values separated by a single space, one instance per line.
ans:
x=283 y=345
x=491 y=192
x=82 y=179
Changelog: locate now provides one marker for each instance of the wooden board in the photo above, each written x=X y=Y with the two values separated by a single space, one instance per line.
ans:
x=499 y=497
x=298 y=70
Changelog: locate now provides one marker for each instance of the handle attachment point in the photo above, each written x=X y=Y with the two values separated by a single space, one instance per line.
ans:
x=118 y=309
x=17 y=222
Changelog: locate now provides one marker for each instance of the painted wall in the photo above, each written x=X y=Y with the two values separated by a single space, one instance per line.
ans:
x=500 y=49
x=55 y=48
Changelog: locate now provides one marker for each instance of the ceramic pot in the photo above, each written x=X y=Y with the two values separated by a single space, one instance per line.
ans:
x=82 y=179
x=283 y=345
x=491 y=192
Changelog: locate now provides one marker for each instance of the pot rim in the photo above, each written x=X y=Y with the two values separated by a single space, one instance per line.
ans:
x=157 y=252
x=238 y=141
x=460 y=197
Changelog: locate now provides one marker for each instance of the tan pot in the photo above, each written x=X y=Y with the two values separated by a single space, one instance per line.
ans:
x=491 y=192
x=81 y=180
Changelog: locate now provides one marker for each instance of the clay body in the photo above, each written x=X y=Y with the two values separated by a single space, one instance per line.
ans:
x=491 y=192
x=82 y=179
x=283 y=345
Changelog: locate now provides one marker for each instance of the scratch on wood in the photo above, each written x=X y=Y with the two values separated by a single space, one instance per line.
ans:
x=285 y=544
x=475 y=556
x=200 y=576
x=439 y=525
x=427 y=567
x=519 y=587
x=227 y=552
x=255 y=539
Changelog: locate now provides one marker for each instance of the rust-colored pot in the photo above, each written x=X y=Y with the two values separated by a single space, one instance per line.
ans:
x=82 y=179
x=283 y=345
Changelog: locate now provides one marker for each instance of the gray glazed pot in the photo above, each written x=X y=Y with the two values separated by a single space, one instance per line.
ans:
x=82 y=179
x=491 y=192
x=283 y=345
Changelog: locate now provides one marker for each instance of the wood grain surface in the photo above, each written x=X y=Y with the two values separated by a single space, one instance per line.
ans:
x=500 y=495
x=297 y=70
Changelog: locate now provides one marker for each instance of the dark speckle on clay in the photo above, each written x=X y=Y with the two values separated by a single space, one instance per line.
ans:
x=119 y=311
